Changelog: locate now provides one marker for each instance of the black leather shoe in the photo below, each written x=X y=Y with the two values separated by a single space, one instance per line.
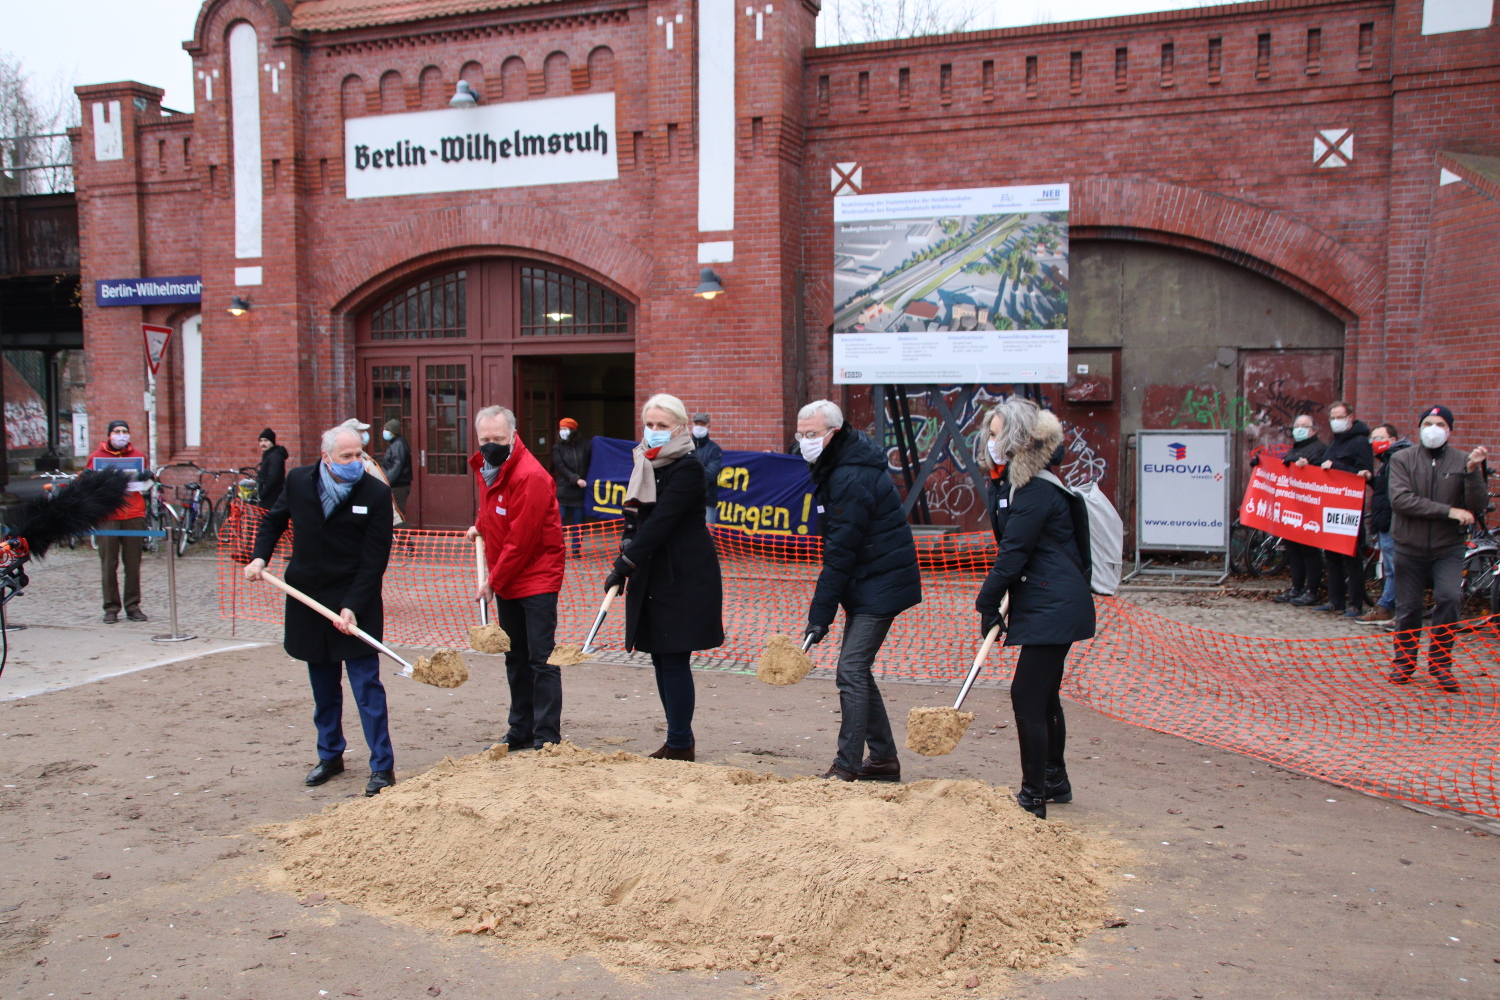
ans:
x=888 y=769
x=1307 y=599
x=836 y=773
x=1445 y=679
x=1401 y=673
x=1059 y=788
x=1036 y=806
x=379 y=780
x=110 y=617
x=136 y=615
x=325 y=770
x=675 y=753
x=1287 y=596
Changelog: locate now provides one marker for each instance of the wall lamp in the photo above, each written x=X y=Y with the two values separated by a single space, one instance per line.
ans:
x=463 y=96
x=709 y=285
x=239 y=305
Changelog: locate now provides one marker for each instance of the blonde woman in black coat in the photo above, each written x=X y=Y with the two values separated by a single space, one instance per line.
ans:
x=1042 y=562
x=675 y=595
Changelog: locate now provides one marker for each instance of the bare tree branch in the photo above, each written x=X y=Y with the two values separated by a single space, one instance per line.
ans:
x=852 y=21
x=35 y=158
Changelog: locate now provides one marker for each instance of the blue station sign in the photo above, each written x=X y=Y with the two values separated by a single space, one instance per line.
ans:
x=148 y=291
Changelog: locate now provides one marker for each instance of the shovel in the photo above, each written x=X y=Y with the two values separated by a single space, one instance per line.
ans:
x=445 y=669
x=485 y=637
x=782 y=662
x=933 y=732
x=568 y=655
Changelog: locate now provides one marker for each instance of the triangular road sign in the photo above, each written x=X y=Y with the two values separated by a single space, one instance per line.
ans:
x=157 y=338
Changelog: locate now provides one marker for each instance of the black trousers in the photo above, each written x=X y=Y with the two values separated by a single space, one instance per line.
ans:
x=1034 y=695
x=1444 y=572
x=1306 y=564
x=535 y=684
x=674 y=683
x=1346 y=580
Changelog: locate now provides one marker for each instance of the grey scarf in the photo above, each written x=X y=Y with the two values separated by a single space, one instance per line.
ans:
x=332 y=492
x=490 y=473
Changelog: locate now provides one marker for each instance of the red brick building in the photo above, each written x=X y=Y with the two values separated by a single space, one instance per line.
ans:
x=1273 y=205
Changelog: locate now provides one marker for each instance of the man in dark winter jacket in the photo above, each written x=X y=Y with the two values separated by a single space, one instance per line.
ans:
x=571 y=454
x=395 y=461
x=711 y=455
x=869 y=567
x=1349 y=452
x=1385 y=442
x=1435 y=493
x=270 y=476
x=1306 y=561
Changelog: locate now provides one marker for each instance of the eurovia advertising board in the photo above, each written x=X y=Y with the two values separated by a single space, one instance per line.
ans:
x=558 y=140
x=1182 y=501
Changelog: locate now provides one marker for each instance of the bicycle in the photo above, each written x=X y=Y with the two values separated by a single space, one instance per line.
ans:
x=242 y=489
x=197 y=515
x=1255 y=552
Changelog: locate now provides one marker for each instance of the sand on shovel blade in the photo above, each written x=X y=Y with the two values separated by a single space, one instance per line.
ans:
x=657 y=865
x=489 y=638
x=933 y=732
x=567 y=654
x=446 y=669
x=783 y=662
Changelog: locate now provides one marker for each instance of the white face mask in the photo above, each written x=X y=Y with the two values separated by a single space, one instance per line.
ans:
x=387 y=435
x=564 y=433
x=810 y=449
x=364 y=437
x=700 y=431
x=1339 y=424
x=119 y=441
x=994 y=449
x=1434 y=435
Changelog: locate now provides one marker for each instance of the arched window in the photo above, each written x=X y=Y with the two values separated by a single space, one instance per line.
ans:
x=432 y=309
x=557 y=304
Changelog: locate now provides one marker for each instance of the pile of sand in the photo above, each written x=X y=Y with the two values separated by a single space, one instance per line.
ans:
x=489 y=638
x=567 y=654
x=783 y=662
x=873 y=888
x=446 y=669
x=933 y=732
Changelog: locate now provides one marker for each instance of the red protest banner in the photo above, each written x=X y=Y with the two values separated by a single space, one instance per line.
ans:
x=1307 y=505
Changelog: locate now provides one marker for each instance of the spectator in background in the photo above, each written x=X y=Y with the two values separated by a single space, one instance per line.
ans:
x=270 y=476
x=1306 y=562
x=1349 y=452
x=1435 y=494
x=131 y=516
x=571 y=456
x=396 y=461
x=712 y=457
x=1385 y=442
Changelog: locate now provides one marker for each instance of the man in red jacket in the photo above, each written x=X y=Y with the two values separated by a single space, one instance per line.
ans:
x=130 y=517
x=523 y=545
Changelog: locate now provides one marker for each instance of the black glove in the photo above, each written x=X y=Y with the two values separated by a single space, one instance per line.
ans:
x=619 y=573
x=816 y=633
x=989 y=619
x=614 y=580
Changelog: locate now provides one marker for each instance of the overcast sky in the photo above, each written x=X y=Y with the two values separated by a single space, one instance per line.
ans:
x=98 y=41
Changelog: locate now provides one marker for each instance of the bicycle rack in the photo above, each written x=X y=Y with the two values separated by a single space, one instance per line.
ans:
x=176 y=635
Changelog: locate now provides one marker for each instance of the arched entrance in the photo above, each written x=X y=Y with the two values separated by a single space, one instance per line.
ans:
x=535 y=337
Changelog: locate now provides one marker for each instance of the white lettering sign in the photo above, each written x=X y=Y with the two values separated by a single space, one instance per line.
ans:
x=971 y=356
x=559 y=140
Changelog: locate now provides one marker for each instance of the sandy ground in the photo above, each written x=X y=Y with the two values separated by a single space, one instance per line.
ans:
x=1248 y=881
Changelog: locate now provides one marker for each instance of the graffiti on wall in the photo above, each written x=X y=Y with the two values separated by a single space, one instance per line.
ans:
x=1197 y=406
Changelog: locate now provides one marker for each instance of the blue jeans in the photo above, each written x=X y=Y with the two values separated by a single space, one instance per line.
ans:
x=674 y=682
x=864 y=719
x=572 y=516
x=369 y=695
x=1387 y=571
x=711 y=512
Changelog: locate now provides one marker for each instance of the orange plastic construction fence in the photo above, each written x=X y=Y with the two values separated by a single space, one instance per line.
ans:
x=1324 y=707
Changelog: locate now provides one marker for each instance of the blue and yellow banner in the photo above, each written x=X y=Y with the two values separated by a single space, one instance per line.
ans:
x=761 y=492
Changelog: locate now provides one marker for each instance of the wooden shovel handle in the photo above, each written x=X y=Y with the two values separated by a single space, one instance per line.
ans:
x=481 y=569
x=324 y=610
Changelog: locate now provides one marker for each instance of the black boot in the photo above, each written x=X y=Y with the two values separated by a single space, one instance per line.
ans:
x=1058 y=787
x=1033 y=738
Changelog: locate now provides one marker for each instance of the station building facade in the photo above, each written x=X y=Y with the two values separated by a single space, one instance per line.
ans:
x=1273 y=205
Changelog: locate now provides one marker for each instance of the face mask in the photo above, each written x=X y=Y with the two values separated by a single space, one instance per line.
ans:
x=700 y=432
x=1339 y=425
x=564 y=433
x=994 y=449
x=495 y=454
x=347 y=472
x=655 y=439
x=364 y=437
x=1382 y=446
x=387 y=435
x=1301 y=433
x=810 y=449
x=119 y=441
x=1434 y=435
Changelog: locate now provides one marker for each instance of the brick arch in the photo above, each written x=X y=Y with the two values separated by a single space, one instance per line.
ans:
x=365 y=268
x=1293 y=253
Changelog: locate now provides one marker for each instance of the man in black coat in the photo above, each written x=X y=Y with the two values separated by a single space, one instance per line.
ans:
x=341 y=542
x=1306 y=561
x=711 y=455
x=869 y=567
x=395 y=461
x=1349 y=452
x=270 y=476
x=1385 y=442
x=571 y=455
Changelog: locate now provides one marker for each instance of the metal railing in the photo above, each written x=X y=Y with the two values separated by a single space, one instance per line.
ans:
x=36 y=164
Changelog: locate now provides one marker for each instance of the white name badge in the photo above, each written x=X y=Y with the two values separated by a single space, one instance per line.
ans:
x=361 y=510
x=500 y=511
x=1002 y=503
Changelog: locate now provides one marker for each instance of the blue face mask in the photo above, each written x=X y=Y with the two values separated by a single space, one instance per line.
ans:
x=655 y=439
x=348 y=472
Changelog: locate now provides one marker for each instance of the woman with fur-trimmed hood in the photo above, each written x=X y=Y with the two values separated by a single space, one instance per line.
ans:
x=1042 y=563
